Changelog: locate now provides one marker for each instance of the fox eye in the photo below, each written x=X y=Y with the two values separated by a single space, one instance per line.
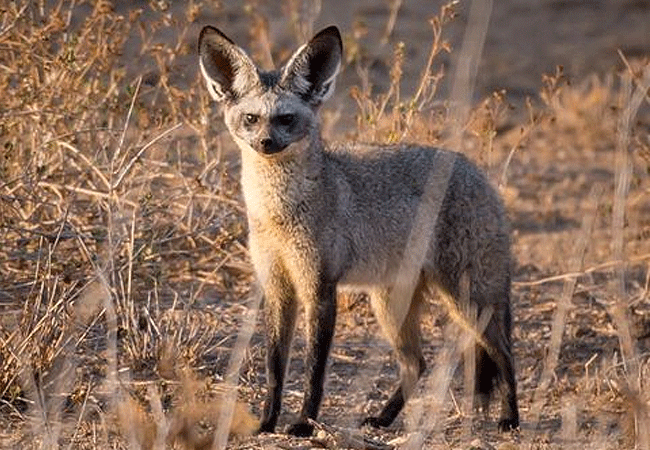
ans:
x=286 y=119
x=251 y=119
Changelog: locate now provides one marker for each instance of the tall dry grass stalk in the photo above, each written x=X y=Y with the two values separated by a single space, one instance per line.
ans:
x=576 y=265
x=464 y=80
x=229 y=403
x=633 y=92
x=302 y=16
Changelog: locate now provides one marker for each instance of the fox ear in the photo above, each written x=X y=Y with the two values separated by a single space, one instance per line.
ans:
x=227 y=69
x=311 y=71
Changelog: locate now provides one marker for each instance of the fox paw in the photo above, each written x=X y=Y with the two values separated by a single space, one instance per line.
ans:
x=375 y=422
x=301 y=429
x=266 y=427
x=508 y=424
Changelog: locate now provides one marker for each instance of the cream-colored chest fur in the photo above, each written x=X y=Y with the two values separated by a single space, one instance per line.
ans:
x=272 y=192
x=278 y=192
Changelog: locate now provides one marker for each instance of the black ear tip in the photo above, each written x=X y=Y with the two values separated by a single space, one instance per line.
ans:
x=210 y=31
x=331 y=32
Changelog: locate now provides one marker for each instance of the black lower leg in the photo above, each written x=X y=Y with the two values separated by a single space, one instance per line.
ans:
x=396 y=401
x=485 y=377
x=390 y=411
x=322 y=319
x=275 y=363
x=509 y=410
x=504 y=360
x=280 y=316
x=495 y=367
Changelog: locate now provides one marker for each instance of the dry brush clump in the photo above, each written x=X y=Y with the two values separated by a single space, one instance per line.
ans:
x=191 y=421
x=115 y=217
x=390 y=116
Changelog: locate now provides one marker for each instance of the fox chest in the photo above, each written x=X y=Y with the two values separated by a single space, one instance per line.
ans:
x=286 y=221
x=278 y=217
x=278 y=221
x=276 y=198
x=281 y=237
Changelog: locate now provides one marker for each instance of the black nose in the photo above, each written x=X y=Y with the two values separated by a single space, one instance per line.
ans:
x=266 y=144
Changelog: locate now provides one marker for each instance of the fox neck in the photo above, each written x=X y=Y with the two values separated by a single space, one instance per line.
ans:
x=274 y=185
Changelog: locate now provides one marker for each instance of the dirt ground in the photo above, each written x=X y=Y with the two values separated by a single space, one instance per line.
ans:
x=560 y=195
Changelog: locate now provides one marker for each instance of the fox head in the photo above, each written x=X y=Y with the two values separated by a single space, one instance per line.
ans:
x=269 y=111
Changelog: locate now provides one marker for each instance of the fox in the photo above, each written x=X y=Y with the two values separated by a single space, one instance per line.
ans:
x=325 y=216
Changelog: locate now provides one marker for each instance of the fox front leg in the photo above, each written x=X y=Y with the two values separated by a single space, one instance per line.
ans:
x=280 y=314
x=320 y=321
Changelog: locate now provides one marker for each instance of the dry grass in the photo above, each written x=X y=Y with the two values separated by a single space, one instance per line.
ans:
x=388 y=117
x=126 y=299
x=115 y=219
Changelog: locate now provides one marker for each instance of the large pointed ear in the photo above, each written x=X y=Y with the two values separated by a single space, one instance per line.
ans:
x=311 y=71
x=227 y=69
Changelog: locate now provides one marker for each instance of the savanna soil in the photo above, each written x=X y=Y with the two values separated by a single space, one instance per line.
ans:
x=559 y=155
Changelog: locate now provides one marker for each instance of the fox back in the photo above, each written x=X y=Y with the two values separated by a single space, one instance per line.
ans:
x=322 y=215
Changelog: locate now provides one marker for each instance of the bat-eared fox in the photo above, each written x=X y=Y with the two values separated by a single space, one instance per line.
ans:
x=323 y=215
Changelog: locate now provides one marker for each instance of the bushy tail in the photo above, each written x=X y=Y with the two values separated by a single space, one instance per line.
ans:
x=495 y=368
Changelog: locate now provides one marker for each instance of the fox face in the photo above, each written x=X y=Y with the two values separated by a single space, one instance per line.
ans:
x=267 y=112
x=269 y=122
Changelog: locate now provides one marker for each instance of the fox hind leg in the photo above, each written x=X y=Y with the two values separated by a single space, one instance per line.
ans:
x=406 y=340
